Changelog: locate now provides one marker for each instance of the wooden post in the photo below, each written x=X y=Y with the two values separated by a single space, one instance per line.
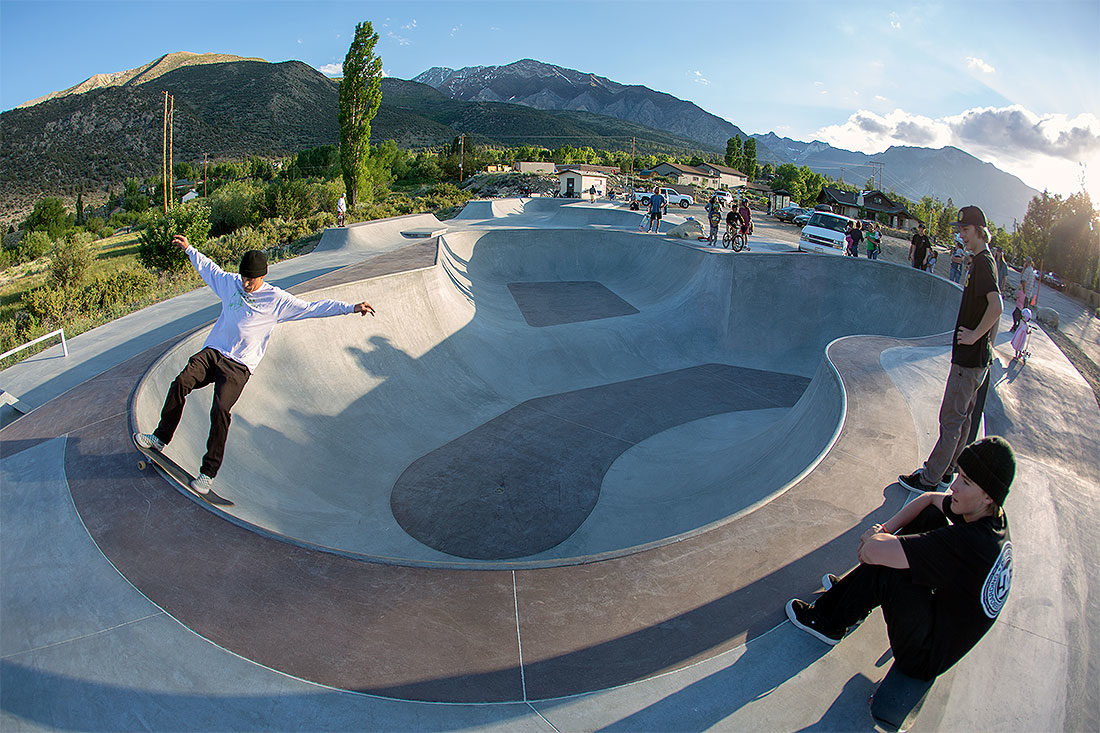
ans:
x=164 y=156
x=171 y=174
x=204 y=176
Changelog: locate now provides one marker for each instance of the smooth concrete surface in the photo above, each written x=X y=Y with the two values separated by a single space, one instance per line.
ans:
x=117 y=668
x=318 y=445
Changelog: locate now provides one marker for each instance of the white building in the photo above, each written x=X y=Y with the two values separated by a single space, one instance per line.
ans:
x=189 y=196
x=533 y=167
x=729 y=178
x=576 y=183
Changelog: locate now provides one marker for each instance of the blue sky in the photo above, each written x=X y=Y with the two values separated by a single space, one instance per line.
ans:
x=1014 y=83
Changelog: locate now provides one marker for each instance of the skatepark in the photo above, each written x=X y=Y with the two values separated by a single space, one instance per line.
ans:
x=565 y=480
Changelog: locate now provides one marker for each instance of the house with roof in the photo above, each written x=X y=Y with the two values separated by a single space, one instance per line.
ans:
x=685 y=174
x=727 y=177
x=867 y=205
x=576 y=182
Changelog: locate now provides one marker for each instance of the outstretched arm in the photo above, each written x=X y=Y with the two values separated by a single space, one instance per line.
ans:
x=364 y=308
x=221 y=282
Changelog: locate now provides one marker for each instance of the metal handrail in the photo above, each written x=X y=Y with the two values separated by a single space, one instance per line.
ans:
x=64 y=348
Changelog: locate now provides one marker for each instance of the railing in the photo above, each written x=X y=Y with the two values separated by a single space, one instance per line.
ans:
x=64 y=348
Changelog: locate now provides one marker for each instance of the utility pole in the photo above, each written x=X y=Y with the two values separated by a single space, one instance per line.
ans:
x=171 y=115
x=461 y=154
x=164 y=156
x=630 y=169
x=204 y=176
x=876 y=173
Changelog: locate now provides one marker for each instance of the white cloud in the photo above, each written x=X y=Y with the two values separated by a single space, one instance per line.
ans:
x=976 y=63
x=1042 y=150
x=895 y=21
x=401 y=41
x=331 y=69
x=698 y=78
x=455 y=29
x=410 y=25
x=493 y=28
x=299 y=41
x=880 y=98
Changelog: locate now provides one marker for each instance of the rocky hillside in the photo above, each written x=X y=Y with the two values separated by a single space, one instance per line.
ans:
x=100 y=136
x=545 y=86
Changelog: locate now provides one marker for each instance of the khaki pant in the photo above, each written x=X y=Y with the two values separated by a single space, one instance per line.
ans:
x=956 y=412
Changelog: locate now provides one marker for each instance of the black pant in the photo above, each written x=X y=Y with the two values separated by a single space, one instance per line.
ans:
x=1017 y=316
x=209 y=366
x=906 y=606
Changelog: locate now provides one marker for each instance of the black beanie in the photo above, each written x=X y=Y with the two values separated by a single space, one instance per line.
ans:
x=253 y=263
x=991 y=464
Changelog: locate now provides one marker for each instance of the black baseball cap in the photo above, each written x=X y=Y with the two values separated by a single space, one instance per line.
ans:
x=971 y=215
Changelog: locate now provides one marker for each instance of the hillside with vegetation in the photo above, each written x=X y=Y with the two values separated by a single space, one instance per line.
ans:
x=93 y=140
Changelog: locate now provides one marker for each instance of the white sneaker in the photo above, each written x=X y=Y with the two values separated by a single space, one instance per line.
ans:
x=149 y=441
x=202 y=484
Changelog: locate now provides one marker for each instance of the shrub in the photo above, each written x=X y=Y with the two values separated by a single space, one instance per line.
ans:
x=49 y=216
x=328 y=193
x=32 y=246
x=121 y=287
x=234 y=205
x=227 y=249
x=46 y=305
x=156 y=250
x=293 y=199
x=70 y=260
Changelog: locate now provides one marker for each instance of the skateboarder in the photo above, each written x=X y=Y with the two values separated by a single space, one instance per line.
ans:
x=250 y=310
x=971 y=354
x=940 y=568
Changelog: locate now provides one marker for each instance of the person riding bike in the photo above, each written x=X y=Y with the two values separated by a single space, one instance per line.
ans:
x=746 y=218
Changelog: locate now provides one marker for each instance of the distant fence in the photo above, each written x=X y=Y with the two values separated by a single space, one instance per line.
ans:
x=60 y=331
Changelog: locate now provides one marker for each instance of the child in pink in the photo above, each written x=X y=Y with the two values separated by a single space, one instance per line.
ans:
x=1017 y=315
x=1020 y=338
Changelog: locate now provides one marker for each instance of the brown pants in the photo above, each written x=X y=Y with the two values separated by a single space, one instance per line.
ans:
x=956 y=412
x=209 y=366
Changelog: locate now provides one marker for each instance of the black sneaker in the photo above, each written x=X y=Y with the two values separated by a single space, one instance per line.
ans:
x=913 y=483
x=801 y=615
x=828 y=580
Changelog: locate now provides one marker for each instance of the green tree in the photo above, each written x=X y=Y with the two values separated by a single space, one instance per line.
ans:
x=132 y=198
x=48 y=216
x=1074 y=249
x=812 y=183
x=155 y=249
x=748 y=159
x=788 y=178
x=734 y=152
x=70 y=259
x=79 y=220
x=360 y=95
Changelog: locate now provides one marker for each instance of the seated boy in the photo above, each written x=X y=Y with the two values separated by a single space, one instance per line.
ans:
x=940 y=568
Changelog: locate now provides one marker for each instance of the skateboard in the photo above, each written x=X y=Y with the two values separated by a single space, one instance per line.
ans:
x=897 y=700
x=177 y=474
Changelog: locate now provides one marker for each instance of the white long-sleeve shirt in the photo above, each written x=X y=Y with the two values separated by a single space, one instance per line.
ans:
x=247 y=319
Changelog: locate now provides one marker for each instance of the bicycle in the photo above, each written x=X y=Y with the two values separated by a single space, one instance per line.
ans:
x=733 y=238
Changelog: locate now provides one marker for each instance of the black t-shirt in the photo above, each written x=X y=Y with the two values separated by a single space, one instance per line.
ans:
x=920 y=248
x=969 y=567
x=980 y=282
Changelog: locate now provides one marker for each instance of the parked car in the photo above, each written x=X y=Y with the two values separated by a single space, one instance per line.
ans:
x=824 y=233
x=725 y=198
x=1054 y=281
x=672 y=198
x=801 y=219
x=788 y=213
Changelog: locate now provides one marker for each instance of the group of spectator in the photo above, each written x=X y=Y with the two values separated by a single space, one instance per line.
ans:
x=855 y=234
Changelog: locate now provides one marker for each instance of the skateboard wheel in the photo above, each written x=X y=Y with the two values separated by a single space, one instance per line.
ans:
x=142 y=465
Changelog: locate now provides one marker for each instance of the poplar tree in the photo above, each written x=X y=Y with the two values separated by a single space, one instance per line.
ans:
x=748 y=159
x=360 y=95
x=733 y=153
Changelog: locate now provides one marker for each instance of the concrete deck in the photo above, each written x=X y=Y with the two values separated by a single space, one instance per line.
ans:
x=125 y=603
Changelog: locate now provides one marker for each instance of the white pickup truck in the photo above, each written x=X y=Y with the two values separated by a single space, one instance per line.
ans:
x=671 y=198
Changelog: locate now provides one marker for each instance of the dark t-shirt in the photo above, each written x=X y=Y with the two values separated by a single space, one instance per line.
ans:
x=969 y=567
x=920 y=248
x=656 y=201
x=980 y=281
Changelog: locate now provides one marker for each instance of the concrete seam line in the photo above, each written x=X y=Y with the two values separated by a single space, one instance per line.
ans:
x=519 y=641
x=552 y=726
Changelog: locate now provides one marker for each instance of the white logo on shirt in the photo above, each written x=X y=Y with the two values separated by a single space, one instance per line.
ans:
x=997 y=583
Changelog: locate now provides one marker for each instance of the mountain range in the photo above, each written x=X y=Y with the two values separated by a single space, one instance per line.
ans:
x=912 y=172
x=109 y=127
